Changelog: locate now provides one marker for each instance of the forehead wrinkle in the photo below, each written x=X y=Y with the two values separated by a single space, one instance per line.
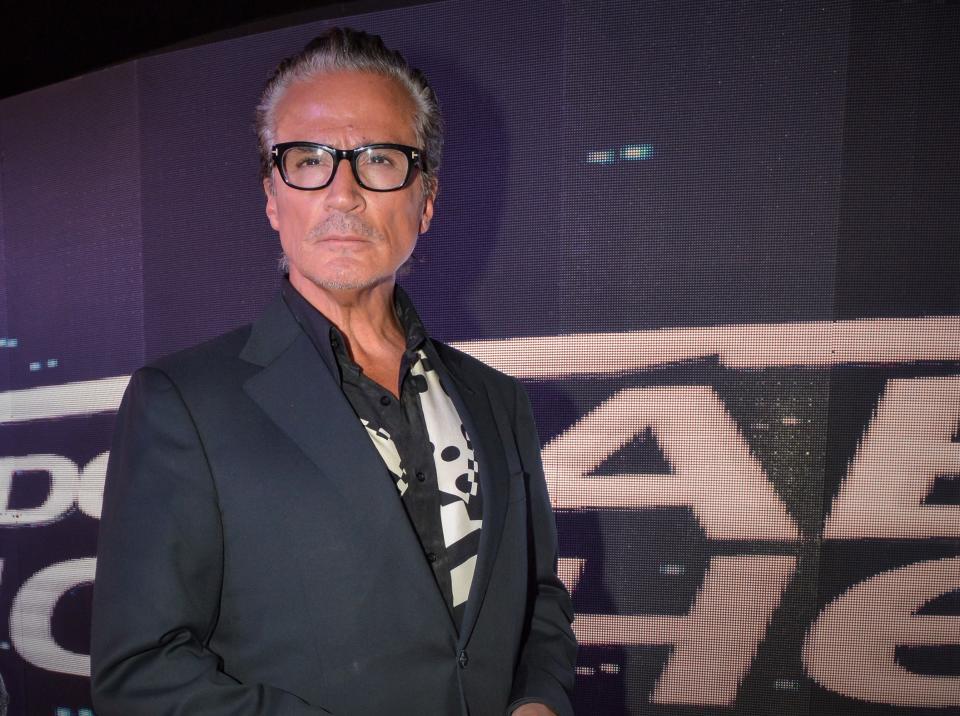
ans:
x=362 y=142
x=303 y=106
x=294 y=122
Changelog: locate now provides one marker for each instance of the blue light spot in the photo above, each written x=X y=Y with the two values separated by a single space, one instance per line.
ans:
x=64 y=711
x=601 y=156
x=13 y=342
x=673 y=570
x=52 y=363
x=85 y=712
x=636 y=152
x=35 y=366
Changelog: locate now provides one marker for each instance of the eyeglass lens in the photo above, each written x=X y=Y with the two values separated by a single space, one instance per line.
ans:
x=376 y=167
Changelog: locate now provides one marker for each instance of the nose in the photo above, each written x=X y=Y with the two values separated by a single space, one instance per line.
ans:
x=343 y=194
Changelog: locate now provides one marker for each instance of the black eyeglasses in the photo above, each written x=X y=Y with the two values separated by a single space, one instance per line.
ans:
x=377 y=167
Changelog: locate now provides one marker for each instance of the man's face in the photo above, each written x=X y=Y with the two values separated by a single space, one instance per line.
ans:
x=344 y=237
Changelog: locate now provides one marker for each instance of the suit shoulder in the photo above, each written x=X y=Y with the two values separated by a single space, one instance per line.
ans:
x=468 y=364
x=206 y=360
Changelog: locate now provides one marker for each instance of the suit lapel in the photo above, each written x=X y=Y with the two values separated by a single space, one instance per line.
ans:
x=296 y=390
x=473 y=404
x=302 y=398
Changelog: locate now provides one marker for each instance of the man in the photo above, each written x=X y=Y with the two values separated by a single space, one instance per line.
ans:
x=327 y=511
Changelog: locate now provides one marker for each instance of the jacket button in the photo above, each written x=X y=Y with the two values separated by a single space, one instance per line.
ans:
x=463 y=659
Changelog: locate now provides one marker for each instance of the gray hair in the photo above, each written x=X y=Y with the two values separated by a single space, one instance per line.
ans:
x=345 y=49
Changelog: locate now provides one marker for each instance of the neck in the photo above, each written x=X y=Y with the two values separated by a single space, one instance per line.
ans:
x=365 y=316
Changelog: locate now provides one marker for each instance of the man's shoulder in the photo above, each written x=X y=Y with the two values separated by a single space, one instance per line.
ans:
x=210 y=359
x=472 y=368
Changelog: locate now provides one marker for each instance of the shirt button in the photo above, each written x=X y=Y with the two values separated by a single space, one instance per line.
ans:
x=431 y=557
x=421 y=477
x=462 y=659
x=384 y=400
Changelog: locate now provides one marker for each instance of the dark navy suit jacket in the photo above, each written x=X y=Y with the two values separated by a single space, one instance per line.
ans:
x=254 y=559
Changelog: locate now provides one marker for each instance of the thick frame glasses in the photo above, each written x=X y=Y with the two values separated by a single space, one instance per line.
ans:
x=377 y=167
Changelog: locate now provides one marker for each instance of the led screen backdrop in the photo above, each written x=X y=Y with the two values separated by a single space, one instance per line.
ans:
x=717 y=242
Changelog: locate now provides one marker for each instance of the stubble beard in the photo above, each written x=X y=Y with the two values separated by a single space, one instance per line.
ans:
x=343 y=279
x=346 y=283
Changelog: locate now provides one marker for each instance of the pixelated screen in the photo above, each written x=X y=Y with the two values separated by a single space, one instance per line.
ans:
x=717 y=242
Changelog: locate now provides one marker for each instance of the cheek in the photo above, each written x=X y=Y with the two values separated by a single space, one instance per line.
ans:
x=398 y=220
x=293 y=218
x=416 y=215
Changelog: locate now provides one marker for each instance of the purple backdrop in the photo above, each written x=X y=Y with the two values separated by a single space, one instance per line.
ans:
x=721 y=237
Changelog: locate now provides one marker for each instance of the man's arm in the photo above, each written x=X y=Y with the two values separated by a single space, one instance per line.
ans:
x=545 y=671
x=159 y=572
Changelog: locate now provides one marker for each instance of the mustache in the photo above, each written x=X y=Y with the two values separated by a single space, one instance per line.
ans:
x=343 y=224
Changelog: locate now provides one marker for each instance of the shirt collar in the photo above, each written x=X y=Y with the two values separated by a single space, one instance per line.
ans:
x=329 y=340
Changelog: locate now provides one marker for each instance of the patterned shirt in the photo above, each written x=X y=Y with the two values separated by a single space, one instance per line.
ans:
x=420 y=437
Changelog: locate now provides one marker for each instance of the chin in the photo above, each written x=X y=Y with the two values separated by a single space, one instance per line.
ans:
x=345 y=284
x=348 y=280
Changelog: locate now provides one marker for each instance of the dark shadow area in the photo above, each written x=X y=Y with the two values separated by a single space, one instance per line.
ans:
x=50 y=42
x=451 y=257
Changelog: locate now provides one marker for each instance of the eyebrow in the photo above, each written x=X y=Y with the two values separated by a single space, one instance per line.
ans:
x=363 y=141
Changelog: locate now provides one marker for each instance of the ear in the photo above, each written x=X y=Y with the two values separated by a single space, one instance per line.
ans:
x=270 y=190
x=427 y=214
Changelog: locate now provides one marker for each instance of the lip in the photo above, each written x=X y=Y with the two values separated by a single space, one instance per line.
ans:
x=343 y=239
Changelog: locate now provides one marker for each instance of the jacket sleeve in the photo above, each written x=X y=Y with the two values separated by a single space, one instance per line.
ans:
x=159 y=572
x=545 y=671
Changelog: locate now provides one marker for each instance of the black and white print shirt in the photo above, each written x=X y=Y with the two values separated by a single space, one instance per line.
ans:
x=422 y=440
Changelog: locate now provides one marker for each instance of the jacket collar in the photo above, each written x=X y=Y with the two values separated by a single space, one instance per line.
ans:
x=481 y=417
x=271 y=334
x=300 y=394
